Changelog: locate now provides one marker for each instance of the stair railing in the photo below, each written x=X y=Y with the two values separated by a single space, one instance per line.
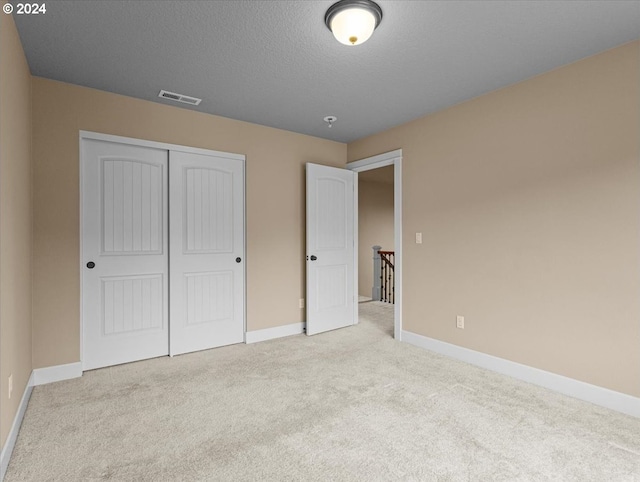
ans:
x=384 y=277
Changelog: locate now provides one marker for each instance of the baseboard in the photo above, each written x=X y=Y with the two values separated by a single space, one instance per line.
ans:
x=57 y=373
x=7 y=450
x=604 y=397
x=276 y=332
x=39 y=376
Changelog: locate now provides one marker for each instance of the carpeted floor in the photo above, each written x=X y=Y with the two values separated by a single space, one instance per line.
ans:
x=352 y=404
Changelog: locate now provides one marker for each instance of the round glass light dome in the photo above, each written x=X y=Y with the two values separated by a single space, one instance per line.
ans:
x=353 y=26
x=353 y=21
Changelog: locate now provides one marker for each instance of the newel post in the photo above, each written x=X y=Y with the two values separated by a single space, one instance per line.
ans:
x=376 y=291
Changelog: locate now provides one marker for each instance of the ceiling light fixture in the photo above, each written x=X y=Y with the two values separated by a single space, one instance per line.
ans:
x=353 y=21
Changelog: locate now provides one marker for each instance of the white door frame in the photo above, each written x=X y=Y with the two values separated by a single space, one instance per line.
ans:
x=169 y=147
x=392 y=158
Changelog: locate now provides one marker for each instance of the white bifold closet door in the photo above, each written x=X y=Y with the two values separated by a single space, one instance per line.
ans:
x=162 y=252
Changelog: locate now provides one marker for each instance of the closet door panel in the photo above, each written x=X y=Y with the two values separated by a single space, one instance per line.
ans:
x=124 y=253
x=207 y=251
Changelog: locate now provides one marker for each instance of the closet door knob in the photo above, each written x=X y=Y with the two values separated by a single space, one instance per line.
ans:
x=91 y=265
x=238 y=259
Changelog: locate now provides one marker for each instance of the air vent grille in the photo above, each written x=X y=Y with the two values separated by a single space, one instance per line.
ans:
x=185 y=99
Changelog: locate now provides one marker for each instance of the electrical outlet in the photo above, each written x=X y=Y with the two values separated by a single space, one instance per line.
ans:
x=460 y=322
x=10 y=385
x=301 y=303
x=418 y=238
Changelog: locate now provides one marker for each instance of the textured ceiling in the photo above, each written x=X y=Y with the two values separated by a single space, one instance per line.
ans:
x=275 y=63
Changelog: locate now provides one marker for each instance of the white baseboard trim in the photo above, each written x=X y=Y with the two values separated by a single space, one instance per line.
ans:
x=276 y=332
x=7 y=450
x=604 y=397
x=39 y=376
x=57 y=373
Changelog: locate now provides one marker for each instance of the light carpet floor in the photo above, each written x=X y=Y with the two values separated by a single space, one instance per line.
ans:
x=352 y=404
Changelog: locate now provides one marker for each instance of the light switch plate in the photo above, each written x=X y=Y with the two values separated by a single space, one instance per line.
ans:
x=418 y=238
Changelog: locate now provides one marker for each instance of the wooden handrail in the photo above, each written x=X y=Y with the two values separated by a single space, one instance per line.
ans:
x=386 y=257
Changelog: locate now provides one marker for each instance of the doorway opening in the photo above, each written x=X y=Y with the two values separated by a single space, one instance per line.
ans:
x=376 y=253
x=379 y=238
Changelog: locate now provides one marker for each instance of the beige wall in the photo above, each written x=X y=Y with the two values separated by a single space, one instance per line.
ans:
x=529 y=201
x=375 y=226
x=15 y=222
x=275 y=202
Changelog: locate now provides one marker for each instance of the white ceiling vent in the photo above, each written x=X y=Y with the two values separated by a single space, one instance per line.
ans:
x=185 y=99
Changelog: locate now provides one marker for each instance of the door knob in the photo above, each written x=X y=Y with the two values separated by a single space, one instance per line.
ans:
x=238 y=259
x=91 y=265
x=313 y=257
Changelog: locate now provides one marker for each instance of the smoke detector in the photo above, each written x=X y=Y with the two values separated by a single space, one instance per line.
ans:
x=185 y=99
x=330 y=119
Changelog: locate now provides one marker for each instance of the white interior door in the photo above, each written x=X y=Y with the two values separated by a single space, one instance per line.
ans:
x=207 y=251
x=124 y=253
x=331 y=293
